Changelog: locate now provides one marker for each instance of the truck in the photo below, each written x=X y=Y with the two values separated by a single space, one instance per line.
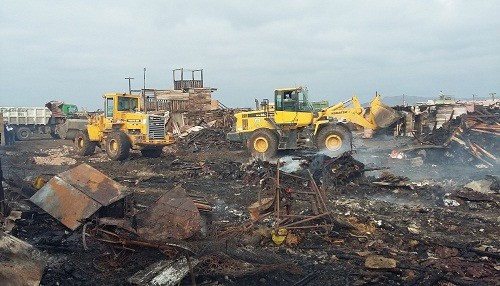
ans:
x=293 y=124
x=28 y=120
x=123 y=127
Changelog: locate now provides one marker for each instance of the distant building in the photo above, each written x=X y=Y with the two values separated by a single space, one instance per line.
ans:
x=189 y=103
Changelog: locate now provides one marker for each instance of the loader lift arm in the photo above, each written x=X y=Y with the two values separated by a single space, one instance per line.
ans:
x=380 y=115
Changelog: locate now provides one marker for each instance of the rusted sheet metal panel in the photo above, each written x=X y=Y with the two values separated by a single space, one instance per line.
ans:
x=20 y=263
x=65 y=202
x=173 y=215
x=94 y=184
x=76 y=194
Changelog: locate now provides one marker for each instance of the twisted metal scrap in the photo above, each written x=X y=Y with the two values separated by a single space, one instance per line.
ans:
x=222 y=264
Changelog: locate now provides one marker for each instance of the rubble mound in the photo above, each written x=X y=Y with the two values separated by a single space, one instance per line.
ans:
x=207 y=139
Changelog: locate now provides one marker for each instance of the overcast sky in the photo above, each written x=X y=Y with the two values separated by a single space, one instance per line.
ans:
x=75 y=51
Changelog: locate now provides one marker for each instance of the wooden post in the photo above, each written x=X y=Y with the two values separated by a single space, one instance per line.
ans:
x=2 y=196
x=2 y=131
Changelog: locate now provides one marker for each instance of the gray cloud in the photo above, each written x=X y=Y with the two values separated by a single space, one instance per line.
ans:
x=77 y=50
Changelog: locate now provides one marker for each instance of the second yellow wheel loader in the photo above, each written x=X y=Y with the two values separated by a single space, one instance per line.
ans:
x=292 y=124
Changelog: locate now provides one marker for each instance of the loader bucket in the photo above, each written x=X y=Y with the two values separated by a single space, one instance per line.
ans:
x=68 y=129
x=382 y=115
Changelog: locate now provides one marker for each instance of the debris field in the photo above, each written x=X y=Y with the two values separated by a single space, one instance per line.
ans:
x=397 y=211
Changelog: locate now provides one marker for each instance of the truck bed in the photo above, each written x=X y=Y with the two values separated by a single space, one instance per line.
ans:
x=26 y=115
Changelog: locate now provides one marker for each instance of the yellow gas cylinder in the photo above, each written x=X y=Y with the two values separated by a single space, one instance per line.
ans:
x=39 y=182
x=279 y=236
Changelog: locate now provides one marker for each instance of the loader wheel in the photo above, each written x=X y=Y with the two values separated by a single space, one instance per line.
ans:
x=83 y=145
x=263 y=144
x=117 y=146
x=152 y=152
x=333 y=139
x=23 y=133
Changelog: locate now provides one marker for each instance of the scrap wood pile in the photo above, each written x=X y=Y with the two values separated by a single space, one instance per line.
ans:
x=219 y=118
x=204 y=139
x=477 y=133
x=341 y=170
x=327 y=172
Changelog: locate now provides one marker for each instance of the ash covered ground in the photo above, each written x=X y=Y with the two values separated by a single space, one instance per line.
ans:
x=418 y=222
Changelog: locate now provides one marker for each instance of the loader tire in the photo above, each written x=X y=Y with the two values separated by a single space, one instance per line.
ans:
x=118 y=146
x=152 y=152
x=83 y=145
x=263 y=144
x=334 y=140
x=23 y=133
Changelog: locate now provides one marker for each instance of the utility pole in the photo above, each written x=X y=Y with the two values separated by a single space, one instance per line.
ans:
x=473 y=98
x=404 y=103
x=493 y=95
x=129 y=87
x=144 y=93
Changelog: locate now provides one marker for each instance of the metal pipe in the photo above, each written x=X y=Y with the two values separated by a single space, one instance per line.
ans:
x=308 y=226
x=278 y=193
x=307 y=219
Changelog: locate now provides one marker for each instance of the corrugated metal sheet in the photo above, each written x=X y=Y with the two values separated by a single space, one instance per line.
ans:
x=76 y=194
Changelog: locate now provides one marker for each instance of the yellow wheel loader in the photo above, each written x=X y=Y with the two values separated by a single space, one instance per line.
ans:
x=123 y=127
x=292 y=124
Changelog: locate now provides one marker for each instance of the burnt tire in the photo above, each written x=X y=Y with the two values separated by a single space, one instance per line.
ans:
x=152 y=152
x=334 y=140
x=263 y=144
x=118 y=146
x=23 y=133
x=83 y=145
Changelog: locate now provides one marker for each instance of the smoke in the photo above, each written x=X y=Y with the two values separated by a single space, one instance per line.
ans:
x=290 y=165
x=445 y=164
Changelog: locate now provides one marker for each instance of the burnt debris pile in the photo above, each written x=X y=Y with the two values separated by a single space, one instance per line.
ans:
x=472 y=138
x=207 y=139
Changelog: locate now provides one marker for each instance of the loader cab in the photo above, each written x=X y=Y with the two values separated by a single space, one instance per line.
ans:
x=127 y=104
x=292 y=100
x=116 y=107
x=115 y=102
x=292 y=106
x=109 y=106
